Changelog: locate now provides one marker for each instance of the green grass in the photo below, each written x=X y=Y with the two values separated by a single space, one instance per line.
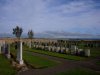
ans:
x=65 y=56
x=38 y=62
x=5 y=67
x=35 y=61
x=98 y=63
x=13 y=51
x=95 y=52
x=79 y=71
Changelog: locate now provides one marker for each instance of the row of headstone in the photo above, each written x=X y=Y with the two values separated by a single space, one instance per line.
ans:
x=83 y=52
x=52 y=48
x=28 y=43
x=72 y=50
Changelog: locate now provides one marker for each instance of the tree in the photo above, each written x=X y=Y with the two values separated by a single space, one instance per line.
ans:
x=17 y=32
x=30 y=36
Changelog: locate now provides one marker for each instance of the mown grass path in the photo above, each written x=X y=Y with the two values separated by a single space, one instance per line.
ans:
x=55 y=54
x=37 y=61
x=64 y=65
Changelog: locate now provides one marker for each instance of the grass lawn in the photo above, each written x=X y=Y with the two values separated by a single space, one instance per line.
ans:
x=98 y=63
x=65 y=56
x=5 y=67
x=95 y=52
x=79 y=71
x=13 y=51
x=35 y=61
x=38 y=62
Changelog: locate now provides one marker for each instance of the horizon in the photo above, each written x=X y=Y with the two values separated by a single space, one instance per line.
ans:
x=54 y=35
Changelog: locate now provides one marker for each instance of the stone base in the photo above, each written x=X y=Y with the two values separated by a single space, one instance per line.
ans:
x=21 y=62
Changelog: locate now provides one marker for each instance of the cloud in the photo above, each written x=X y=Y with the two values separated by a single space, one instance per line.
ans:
x=81 y=16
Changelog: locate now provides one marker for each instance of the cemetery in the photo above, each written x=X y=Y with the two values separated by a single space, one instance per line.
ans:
x=28 y=54
x=49 y=37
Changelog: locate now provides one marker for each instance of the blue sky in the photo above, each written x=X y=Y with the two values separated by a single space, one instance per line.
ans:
x=77 y=16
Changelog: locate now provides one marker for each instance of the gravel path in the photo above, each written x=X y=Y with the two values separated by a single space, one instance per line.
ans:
x=62 y=67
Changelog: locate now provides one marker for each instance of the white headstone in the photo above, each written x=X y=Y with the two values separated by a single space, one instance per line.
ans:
x=87 y=52
x=49 y=48
x=53 y=48
x=57 y=49
x=30 y=44
x=73 y=49
x=67 y=50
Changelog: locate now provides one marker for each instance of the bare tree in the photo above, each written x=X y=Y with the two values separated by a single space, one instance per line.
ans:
x=30 y=36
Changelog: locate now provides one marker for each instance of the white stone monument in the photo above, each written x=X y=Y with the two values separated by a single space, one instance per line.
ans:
x=19 y=53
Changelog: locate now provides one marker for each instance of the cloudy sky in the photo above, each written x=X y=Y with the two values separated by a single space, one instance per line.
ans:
x=78 y=16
